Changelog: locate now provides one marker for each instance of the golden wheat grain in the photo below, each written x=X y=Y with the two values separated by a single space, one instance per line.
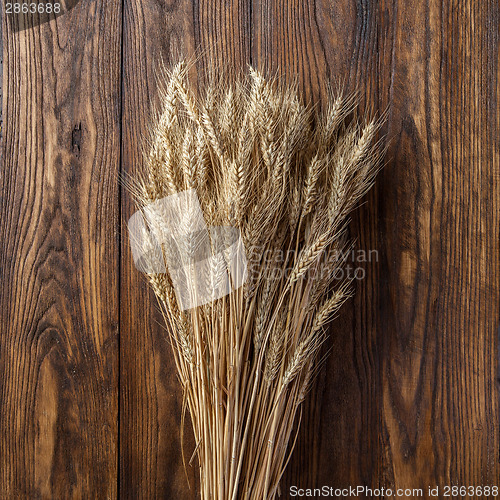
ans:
x=287 y=176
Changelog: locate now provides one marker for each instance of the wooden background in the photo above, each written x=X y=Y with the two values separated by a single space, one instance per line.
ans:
x=89 y=402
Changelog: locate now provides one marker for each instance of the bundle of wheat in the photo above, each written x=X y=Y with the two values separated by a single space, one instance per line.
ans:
x=286 y=176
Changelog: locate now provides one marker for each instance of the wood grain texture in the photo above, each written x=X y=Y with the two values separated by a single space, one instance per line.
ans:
x=335 y=42
x=409 y=396
x=59 y=256
x=440 y=313
x=151 y=402
x=150 y=399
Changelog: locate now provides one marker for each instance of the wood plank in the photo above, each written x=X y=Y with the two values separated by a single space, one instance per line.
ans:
x=440 y=214
x=316 y=43
x=59 y=256
x=150 y=397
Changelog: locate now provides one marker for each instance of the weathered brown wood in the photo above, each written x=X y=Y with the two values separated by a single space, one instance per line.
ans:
x=59 y=256
x=439 y=208
x=334 y=42
x=409 y=396
x=151 y=401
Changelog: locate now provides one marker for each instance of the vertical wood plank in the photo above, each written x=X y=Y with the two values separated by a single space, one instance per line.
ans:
x=440 y=214
x=151 y=400
x=316 y=43
x=59 y=256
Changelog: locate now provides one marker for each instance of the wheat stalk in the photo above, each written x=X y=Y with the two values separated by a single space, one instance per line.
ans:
x=287 y=177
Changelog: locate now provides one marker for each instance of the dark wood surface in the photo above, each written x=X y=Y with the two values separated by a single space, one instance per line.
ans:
x=59 y=256
x=89 y=401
